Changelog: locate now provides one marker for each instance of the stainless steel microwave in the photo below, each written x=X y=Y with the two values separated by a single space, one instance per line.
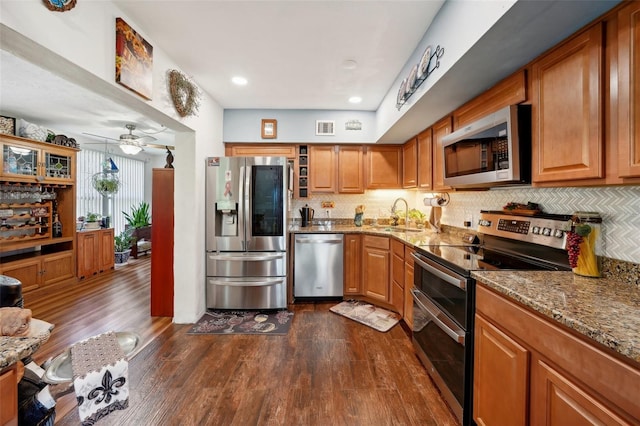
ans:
x=494 y=150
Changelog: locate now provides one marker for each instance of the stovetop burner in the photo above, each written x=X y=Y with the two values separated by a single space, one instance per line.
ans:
x=508 y=242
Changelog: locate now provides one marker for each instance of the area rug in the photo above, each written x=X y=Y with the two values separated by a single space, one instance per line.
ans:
x=367 y=314
x=243 y=322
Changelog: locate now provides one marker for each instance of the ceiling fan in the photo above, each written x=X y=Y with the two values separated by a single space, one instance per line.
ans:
x=129 y=143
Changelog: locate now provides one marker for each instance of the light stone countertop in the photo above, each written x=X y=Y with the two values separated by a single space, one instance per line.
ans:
x=603 y=309
x=606 y=310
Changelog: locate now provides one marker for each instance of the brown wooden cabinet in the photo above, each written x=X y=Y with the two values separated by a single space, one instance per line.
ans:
x=352 y=264
x=550 y=377
x=397 y=276
x=628 y=80
x=322 y=168
x=336 y=169
x=375 y=267
x=440 y=129
x=350 y=169
x=9 y=396
x=408 y=285
x=162 y=237
x=384 y=167
x=44 y=259
x=410 y=163
x=510 y=91
x=261 y=150
x=95 y=252
x=500 y=379
x=425 y=162
x=567 y=116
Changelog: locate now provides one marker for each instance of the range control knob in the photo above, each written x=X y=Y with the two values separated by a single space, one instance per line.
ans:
x=536 y=230
x=558 y=233
x=484 y=222
x=546 y=232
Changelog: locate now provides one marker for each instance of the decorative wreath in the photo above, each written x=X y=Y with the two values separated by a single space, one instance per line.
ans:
x=60 y=5
x=184 y=94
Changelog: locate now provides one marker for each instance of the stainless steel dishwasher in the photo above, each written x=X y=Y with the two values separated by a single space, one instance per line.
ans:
x=318 y=266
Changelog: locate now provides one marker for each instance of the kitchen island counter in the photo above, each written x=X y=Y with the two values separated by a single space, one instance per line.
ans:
x=602 y=309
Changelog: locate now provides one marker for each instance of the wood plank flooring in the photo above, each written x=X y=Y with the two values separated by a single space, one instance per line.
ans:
x=328 y=370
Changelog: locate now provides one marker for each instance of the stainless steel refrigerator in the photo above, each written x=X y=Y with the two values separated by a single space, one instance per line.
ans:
x=246 y=232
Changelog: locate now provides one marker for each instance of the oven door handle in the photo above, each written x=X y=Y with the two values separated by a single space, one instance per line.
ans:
x=440 y=272
x=441 y=320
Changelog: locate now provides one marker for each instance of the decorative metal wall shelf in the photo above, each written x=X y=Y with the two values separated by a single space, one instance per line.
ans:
x=418 y=74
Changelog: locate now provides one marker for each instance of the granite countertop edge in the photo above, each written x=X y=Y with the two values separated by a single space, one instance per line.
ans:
x=601 y=309
x=14 y=349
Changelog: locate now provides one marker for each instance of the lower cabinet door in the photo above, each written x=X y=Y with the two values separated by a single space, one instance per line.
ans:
x=557 y=400
x=500 y=380
x=58 y=267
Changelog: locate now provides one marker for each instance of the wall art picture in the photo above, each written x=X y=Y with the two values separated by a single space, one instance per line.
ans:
x=134 y=60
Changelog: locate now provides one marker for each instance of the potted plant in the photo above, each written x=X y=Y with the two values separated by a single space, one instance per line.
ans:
x=139 y=216
x=122 y=246
x=106 y=183
x=91 y=221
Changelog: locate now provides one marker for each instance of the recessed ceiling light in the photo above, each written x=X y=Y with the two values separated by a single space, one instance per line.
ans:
x=355 y=99
x=240 y=81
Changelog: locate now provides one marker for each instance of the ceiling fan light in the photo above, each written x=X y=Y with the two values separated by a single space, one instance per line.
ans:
x=130 y=149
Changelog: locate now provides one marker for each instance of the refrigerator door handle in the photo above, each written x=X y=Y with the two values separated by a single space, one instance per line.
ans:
x=241 y=209
x=247 y=258
x=248 y=171
x=262 y=282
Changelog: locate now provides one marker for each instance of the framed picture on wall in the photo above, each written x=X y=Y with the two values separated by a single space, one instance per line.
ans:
x=134 y=60
x=269 y=128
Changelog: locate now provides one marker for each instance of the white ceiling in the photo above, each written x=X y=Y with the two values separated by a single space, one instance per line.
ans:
x=292 y=52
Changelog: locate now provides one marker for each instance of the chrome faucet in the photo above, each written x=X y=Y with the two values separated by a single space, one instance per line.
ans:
x=406 y=210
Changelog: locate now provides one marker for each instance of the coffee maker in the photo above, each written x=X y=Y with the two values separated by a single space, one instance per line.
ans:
x=306 y=213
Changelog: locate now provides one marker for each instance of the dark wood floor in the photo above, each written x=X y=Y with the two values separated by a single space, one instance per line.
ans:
x=327 y=370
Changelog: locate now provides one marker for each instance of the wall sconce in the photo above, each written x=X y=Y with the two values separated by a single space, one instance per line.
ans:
x=437 y=200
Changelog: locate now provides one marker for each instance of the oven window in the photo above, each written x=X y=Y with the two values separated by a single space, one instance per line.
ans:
x=451 y=299
x=446 y=355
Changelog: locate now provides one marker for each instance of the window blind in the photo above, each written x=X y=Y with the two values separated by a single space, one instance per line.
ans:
x=131 y=192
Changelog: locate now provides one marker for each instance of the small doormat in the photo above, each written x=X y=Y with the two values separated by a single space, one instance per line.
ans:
x=243 y=322
x=367 y=314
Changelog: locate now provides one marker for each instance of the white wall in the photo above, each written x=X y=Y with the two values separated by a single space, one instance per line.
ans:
x=85 y=36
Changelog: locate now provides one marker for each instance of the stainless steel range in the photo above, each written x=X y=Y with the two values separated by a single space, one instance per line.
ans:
x=444 y=292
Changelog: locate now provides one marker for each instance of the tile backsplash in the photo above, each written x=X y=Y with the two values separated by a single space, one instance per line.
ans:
x=619 y=207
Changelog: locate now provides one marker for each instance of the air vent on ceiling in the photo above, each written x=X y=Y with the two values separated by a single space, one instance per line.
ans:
x=325 y=128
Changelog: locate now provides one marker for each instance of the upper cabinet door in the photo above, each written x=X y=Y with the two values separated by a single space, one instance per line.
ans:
x=322 y=168
x=410 y=161
x=350 y=169
x=425 y=166
x=440 y=129
x=629 y=90
x=384 y=167
x=567 y=95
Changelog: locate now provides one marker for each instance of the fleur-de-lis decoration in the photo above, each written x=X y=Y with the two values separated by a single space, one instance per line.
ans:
x=104 y=392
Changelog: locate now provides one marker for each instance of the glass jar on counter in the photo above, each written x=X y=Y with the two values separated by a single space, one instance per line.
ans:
x=584 y=242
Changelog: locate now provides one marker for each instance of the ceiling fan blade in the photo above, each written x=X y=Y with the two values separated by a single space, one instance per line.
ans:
x=100 y=136
x=159 y=146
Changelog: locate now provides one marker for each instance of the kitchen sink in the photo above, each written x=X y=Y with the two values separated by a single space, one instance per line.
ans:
x=396 y=228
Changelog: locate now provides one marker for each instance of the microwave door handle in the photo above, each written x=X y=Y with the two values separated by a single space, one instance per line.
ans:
x=440 y=272
x=423 y=303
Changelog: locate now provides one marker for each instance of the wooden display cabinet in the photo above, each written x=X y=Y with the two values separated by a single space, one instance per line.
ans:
x=37 y=170
x=162 y=236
